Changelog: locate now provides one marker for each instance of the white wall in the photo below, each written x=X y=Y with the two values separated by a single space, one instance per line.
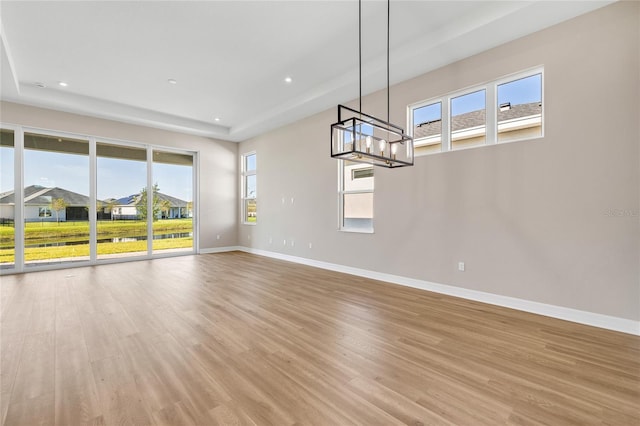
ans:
x=218 y=168
x=531 y=220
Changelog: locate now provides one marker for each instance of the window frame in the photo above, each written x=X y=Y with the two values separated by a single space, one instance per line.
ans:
x=44 y=211
x=244 y=174
x=491 y=107
x=342 y=192
x=353 y=173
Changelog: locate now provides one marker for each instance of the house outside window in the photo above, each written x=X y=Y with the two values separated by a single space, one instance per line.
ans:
x=504 y=110
x=44 y=212
x=249 y=189
x=356 y=185
x=427 y=132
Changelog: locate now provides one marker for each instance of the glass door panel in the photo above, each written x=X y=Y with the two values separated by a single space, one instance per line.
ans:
x=121 y=181
x=7 y=201
x=172 y=202
x=56 y=199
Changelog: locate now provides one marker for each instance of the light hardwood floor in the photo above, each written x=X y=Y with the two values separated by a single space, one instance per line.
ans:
x=240 y=339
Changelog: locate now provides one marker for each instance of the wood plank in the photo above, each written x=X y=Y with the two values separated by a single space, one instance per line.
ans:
x=35 y=411
x=35 y=375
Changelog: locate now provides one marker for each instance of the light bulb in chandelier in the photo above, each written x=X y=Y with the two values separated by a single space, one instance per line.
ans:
x=394 y=149
x=368 y=141
x=383 y=144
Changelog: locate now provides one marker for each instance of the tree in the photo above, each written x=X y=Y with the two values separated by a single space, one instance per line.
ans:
x=111 y=205
x=57 y=205
x=165 y=207
x=141 y=205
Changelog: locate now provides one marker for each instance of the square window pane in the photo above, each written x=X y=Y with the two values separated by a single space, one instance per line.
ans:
x=250 y=211
x=358 y=211
x=251 y=187
x=250 y=162
x=520 y=109
x=427 y=128
x=468 y=120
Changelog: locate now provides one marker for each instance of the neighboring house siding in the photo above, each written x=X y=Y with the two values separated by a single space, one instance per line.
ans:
x=7 y=212
x=124 y=212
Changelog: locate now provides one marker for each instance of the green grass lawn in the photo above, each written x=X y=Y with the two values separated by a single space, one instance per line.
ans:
x=82 y=250
x=64 y=231
x=52 y=232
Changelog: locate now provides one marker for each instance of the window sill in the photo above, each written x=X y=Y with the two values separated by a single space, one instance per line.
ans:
x=356 y=231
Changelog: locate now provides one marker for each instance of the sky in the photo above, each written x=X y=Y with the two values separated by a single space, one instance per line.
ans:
x=116 y=178
x=520 y=91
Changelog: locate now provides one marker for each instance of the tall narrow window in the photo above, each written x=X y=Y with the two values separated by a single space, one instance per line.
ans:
x=7 y=200
x=172 y=201
x=121 y=177
x=56 y=199
x=356 y=196
x=249 y=189
x=468 y=120
x=520 y=108
x=427 y=128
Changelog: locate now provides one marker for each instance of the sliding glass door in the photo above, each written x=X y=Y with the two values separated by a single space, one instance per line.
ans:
x=82 y=200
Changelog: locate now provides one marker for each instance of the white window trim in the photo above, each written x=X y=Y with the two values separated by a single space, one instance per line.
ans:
x=243 y=196
x=491 y=125
x=341 y=193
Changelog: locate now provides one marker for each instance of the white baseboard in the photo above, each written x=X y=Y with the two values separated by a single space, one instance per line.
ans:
x=221 y=249
x=574 y=315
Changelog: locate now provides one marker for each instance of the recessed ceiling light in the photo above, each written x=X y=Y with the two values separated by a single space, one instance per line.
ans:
x=288 y=79
x=63 y=84
x=216 y=119
x=40 y=85
x=172 y=81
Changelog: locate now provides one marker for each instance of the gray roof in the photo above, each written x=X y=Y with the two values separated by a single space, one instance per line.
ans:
x=41 y=196
x=37 y=195
x=476 y=118
x=133 y=199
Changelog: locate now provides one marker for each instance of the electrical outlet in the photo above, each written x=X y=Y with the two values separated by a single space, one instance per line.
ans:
x=293 y=243
x=310 y=245
x=218 y=237
x=461 y=266
x=270 y=240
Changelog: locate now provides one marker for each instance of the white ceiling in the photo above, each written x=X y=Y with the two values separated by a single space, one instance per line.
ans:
x=230 y=58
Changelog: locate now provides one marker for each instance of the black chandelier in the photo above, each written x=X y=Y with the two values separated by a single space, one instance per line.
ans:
x=362 y=138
